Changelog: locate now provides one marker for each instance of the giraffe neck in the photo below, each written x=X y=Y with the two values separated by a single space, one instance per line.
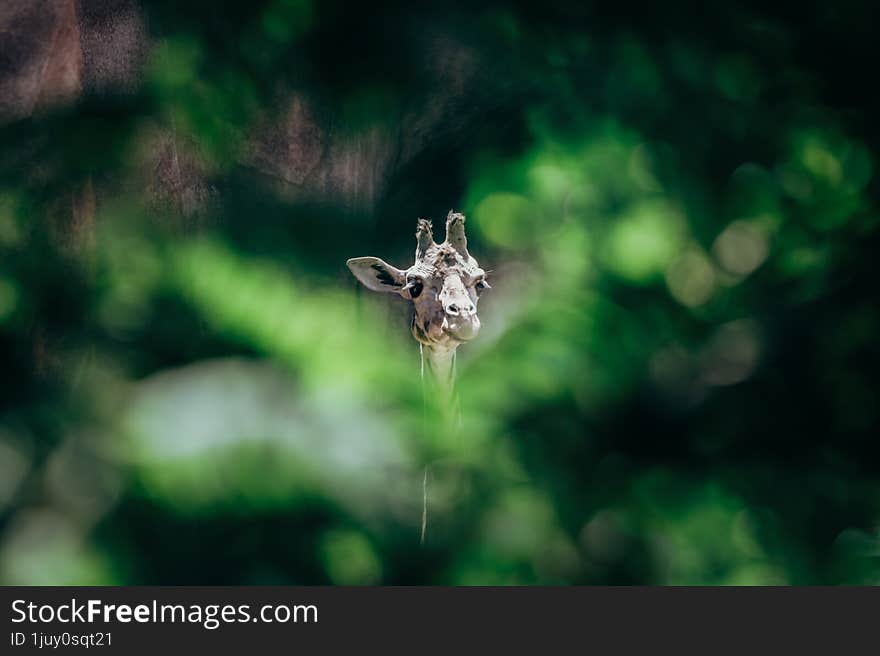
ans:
x=438 y=385
x=438 y=373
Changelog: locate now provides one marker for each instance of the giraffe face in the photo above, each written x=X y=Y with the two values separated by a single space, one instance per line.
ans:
x=444 y=285
x=445 y=288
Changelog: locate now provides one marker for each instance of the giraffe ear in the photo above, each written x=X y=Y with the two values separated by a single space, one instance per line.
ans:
x=377 y=274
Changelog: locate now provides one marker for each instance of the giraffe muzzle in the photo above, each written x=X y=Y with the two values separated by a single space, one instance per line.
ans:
x=461 y=326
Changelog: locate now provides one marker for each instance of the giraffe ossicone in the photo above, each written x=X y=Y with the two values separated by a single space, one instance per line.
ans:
x=444 y=285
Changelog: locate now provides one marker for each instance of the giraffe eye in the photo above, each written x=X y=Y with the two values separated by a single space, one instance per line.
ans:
x=482 y=284
x=415 y=286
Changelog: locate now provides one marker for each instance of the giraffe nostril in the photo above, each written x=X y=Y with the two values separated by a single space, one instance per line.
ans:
x=452 y=309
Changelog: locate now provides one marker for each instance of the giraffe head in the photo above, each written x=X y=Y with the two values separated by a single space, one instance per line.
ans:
x=444 y=284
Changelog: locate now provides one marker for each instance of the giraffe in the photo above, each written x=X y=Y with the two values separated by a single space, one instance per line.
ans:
x=444 y=285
